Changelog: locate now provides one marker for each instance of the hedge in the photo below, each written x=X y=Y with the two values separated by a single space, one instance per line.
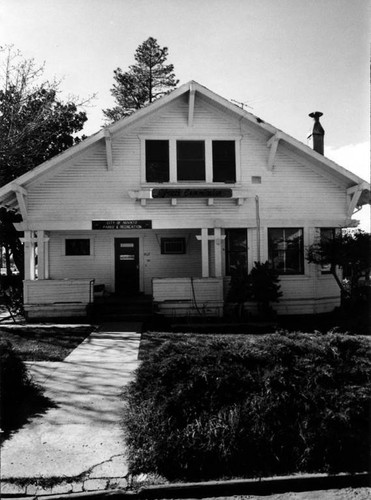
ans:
x=227 y=407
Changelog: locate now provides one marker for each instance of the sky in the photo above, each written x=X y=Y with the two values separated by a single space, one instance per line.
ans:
x=282 y=58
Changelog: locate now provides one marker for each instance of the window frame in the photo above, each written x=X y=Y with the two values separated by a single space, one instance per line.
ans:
x=208 y=159
x=177 y=239
x=271 y=252
x=84 y=255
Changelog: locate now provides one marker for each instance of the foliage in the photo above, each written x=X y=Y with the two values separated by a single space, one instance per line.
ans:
x=35 y=125
x=260 y=285
x=19 y=396
x=144 y=82
x=226 y=407
x=350 y=251
x=9 y=240
x=12 y=286
x=264 y=285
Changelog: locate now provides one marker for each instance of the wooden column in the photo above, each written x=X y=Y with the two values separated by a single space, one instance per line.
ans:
x=29 y=256
x=46 y=256
x=40 y=255
x=205 y=252
x=218 y=251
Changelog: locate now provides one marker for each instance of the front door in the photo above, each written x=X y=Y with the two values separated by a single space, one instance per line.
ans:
x=126 y=265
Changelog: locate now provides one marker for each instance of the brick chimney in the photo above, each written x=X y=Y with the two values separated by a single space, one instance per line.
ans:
x=318 y=133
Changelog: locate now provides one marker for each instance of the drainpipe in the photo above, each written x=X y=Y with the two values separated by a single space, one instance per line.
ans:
x=257 y=227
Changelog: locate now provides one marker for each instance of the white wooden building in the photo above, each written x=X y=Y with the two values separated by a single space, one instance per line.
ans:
x=170 y=201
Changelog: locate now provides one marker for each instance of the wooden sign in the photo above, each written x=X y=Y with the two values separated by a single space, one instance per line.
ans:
x=121 y=224
x=192 y=193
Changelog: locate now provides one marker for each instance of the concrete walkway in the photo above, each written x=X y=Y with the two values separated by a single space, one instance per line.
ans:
x=82 y=435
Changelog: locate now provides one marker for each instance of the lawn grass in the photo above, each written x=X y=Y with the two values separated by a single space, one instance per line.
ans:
x=44 y=343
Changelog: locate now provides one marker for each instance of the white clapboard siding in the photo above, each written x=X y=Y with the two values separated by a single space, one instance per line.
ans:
x=57 y=291
x=86 y=190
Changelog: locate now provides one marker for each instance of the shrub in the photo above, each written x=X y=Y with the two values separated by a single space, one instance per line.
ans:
x=19 y=396
x=227 y=407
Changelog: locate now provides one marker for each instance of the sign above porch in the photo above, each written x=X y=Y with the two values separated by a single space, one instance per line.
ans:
x=191 y=193
x=121 y=224
x=173 y=193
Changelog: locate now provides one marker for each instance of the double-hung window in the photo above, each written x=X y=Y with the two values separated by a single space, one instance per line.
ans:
x=157 y=161
x=286 y=250
x=224 y=161
x=191 y=160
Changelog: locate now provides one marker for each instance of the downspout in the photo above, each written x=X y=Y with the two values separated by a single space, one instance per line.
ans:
x=257 y=227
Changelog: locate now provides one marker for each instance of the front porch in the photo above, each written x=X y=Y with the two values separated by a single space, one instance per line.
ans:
x=171 y=297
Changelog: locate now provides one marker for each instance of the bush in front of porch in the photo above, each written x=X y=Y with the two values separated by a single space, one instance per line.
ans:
x=220 y=407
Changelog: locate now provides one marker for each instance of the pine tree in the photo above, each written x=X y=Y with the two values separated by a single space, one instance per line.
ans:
x=144 y=82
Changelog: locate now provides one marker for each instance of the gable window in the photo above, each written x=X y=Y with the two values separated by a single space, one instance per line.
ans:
x=173 y=246
x=236 y=251
x=79 y=246
x=224 y=161
x=190 y=160
x=286 y=250
x=157 y=161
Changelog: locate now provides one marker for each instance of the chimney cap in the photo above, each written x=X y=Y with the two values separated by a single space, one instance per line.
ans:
x=315 y=114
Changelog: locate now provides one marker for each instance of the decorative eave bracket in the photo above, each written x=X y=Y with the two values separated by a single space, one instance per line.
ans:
x=354 y=194
x=21 y=194
x=272 y=143
x=108 y=142
x=191 y=105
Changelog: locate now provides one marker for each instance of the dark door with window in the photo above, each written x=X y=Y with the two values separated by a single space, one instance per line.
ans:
x=126 y=265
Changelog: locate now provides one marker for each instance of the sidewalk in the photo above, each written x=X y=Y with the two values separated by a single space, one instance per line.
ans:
x=80 y=440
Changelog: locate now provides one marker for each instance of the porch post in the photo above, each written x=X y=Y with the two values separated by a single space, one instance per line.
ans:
x=29 y=256
x=218 y=251
x=40 y=255
x=205 y=252
x=46 y=257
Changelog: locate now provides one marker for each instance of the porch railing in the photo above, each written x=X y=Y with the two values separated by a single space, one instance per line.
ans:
x=188 y=296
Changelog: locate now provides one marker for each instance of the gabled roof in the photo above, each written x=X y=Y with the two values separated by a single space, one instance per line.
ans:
x=350 y=180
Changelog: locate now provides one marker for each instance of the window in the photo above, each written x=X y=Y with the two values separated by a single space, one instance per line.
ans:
x=236 y=251
x=78 y=246
x=173 y=246
x=157 y=161
x=285 y=250
x=224 y=161
x=327 y=236
x=190 y=160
